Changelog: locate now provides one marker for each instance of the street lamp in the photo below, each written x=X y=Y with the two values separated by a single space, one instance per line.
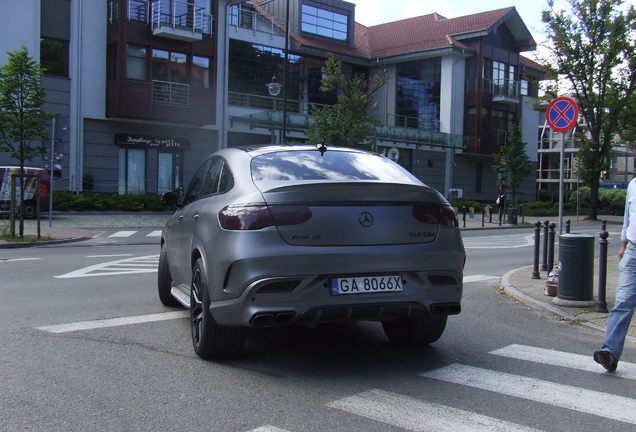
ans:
x=274 y=87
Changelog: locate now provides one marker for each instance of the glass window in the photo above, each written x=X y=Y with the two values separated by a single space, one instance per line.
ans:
x=160 y=65
x=201 y=72
x=132 y=171
x=210 y=184
x=54 y=57
x=325 y=23
x=136 y=62
x=168 y=172
x=418 y=94
x=333 y=165
x=194 y=188
x=498 y=120
x=178 y=68
x=524 y=87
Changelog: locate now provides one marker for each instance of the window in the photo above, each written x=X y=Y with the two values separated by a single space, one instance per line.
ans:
x=499 y=120
x=169 y=66
x=201 y=72
x=471 y=118
x=325 y=23
x=169 y=172
x=210 y=184
x=524 y=87
x=54 y=57
x=136 y=62
x=132 y=171
x=418 y=94
x=194 y=188
x=242 y=15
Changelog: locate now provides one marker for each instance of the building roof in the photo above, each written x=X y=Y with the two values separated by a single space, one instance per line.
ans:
x=418 y=34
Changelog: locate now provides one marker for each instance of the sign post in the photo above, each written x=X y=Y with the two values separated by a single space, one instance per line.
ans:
x=561 y=115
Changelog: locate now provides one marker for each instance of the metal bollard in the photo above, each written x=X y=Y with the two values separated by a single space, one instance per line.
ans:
x=544 y=262
x=521 y=213
x=567 y=226
x=551 y=247
x=537 y=237
x=601 y=303
x=489 y=213
x=464 y=217
x=483 y=217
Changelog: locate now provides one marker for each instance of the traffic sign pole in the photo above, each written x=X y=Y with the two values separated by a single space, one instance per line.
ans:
x=562 y=114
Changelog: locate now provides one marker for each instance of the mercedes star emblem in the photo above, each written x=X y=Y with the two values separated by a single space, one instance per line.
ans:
x=366 y=219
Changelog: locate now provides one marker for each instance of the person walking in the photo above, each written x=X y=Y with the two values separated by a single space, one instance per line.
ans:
x=501 y=202
x=623 y=310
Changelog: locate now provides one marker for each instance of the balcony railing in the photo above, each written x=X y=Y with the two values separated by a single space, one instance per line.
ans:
x=242 y=17
x=170 y=93
x=171 y=15
x=501 y=90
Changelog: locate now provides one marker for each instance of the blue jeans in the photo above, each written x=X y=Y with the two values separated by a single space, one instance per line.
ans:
x=623 y=310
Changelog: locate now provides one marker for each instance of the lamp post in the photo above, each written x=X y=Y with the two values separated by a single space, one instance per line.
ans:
x=274 y=87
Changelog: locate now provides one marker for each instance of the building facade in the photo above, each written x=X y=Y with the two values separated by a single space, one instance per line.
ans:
x=150 y=87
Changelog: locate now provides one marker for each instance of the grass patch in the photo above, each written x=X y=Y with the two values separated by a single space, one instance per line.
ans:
x=26 y=239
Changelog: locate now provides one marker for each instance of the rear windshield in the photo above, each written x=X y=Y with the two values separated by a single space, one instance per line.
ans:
x=310 y=165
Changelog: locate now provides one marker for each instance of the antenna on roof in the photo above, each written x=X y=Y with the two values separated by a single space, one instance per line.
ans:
x=322 y=148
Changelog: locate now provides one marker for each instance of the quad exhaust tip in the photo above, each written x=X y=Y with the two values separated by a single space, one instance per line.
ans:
x=264 y=319
x=439 y=309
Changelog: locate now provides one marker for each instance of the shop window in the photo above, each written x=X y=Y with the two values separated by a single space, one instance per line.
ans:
x=132 y=171
x=136 y=62
x=54 y=57
x=168 y=172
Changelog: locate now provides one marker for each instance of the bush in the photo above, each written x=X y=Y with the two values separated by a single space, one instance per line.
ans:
x=468 y=204
x=65 y=201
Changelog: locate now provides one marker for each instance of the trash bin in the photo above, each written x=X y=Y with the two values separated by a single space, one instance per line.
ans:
x=576 y=267
x=512 y=216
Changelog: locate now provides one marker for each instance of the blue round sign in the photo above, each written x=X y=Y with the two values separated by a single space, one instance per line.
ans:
x=562 y=114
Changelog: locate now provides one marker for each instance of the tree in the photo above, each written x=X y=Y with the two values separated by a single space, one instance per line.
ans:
x=22 y=118
x=512 y=164
x=628 y=120
x=349 y=122
x=594 y=52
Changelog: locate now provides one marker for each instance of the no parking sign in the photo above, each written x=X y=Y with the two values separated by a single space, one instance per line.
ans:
x=562 y=114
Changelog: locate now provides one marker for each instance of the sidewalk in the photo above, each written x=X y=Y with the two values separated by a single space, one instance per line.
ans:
x=75 y=226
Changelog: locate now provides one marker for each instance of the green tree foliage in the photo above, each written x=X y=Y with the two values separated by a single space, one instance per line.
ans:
x=628 y=119
x=349 y=122
x=512 y=164
x=593 y=49
x=22 y=119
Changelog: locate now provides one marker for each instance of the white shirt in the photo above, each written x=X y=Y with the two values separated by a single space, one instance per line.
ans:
x=628 y=234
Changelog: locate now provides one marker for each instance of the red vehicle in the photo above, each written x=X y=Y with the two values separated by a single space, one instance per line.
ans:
x=30 y=204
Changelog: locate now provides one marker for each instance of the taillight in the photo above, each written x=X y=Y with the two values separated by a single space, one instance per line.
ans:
x=435 y=214
x=255 y=217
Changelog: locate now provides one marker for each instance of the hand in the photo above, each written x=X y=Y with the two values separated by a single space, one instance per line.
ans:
x=621 y=252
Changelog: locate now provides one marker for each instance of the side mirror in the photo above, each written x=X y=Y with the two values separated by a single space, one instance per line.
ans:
x=170 y=199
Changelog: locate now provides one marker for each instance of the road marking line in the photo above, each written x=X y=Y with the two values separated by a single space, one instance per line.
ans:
x=19 y=259
x=561 y=395
x=563 y=359
x=529 y=241
x=478 y=278
x=415 y=415
x=121 y=234
x=156 y=233
x=114 y=322
x=143 y=264
x=268 y=428
x=98 y=234
x=108 y=256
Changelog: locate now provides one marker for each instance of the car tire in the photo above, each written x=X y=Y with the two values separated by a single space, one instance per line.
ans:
x=209 y=339
x=419 y=329
x=164 y=280
x=30 y=210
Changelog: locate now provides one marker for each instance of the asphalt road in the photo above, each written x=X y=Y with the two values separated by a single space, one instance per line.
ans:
x=103 y=368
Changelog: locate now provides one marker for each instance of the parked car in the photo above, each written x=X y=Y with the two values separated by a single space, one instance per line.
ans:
x=30 y=204
x=281 y=235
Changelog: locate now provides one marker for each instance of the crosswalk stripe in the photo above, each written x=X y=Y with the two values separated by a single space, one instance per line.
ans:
x=122 y=234
x=478 y=278
x=415 y=415
x=268 y=429
x=563 y=359
x=561 y=395
x=114 y=322
x=156 y=233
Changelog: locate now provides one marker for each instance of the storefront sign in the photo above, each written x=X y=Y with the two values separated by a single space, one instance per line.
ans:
x=146 y=141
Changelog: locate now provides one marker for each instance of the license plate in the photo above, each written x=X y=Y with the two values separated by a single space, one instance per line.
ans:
x=365 y=284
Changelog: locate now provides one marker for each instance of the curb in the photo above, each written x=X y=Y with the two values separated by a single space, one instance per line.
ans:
x=18 y=245
x=536 y=304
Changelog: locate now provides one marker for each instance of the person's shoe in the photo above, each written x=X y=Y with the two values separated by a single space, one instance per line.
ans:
x=606 y=359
